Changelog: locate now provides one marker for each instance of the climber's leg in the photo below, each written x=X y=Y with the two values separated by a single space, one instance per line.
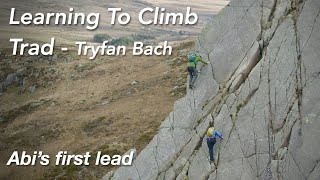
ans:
x=195 y=76
x=190 y=75
x=210 y=146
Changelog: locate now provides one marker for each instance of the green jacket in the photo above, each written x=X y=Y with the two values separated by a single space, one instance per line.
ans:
x=194 y=64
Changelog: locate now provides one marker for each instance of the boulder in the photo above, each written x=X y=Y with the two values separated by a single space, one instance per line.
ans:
x=11 y=78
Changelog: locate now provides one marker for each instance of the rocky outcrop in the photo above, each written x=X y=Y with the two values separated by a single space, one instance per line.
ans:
x=260 y=90
x=22 y=72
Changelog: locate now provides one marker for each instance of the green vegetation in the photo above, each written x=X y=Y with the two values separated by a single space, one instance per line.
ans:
x=91 y=125
x=123 y=41
x=146 y=137
x=142 y=37
x=85 y=66
x=69 y=172
x=99 y=38
x=112 y=149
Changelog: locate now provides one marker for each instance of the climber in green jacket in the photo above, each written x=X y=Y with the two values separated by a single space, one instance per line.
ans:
x=193 y=60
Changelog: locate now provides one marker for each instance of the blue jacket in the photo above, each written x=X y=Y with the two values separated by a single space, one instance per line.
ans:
x=212 y=138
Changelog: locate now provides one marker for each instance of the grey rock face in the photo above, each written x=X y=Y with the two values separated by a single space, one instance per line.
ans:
x=32 y=89
x=261 y=91
x=20 y=71
x=11 y=78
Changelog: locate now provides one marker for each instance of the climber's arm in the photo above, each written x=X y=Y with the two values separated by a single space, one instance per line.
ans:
x=198 y=58
x=218 y=134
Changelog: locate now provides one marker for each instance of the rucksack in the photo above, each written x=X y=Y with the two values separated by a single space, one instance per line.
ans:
x=210 y=132
x=192 y=57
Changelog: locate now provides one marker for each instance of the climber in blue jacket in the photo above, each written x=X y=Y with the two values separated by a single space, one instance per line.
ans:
x=211 y=140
